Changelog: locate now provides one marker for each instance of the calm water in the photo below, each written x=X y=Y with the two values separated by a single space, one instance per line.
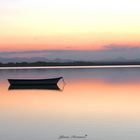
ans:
x=102 y=103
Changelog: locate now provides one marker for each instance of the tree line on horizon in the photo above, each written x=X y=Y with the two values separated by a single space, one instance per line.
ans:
x=76 y=63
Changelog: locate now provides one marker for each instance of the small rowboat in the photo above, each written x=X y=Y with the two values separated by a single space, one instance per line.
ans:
x=34 y=82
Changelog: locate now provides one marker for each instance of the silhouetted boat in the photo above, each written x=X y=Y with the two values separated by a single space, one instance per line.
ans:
x=34 y=82
x=49 y=87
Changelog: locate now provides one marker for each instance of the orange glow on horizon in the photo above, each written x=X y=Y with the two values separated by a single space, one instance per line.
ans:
x=56 y=46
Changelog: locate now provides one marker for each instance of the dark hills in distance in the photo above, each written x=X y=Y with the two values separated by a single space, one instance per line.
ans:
x=76 y=63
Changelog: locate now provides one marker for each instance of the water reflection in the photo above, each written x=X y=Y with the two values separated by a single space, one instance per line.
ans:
x=49 y=87
x=103 y=103
x=108 y=75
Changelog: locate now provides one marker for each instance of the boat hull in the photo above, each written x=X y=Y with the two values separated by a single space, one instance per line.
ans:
x=26 y=82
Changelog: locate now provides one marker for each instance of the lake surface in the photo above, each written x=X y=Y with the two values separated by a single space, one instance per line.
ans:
x=103 y=103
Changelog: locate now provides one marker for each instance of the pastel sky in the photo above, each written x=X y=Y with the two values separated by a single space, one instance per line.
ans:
x=68 y=24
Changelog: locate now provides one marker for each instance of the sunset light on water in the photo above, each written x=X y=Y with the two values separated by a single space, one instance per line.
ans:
x=102 y=103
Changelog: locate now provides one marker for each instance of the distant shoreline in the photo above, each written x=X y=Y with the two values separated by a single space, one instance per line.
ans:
x=61 y=64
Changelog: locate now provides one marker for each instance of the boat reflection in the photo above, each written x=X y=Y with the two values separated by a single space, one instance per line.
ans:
x=49 y=87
